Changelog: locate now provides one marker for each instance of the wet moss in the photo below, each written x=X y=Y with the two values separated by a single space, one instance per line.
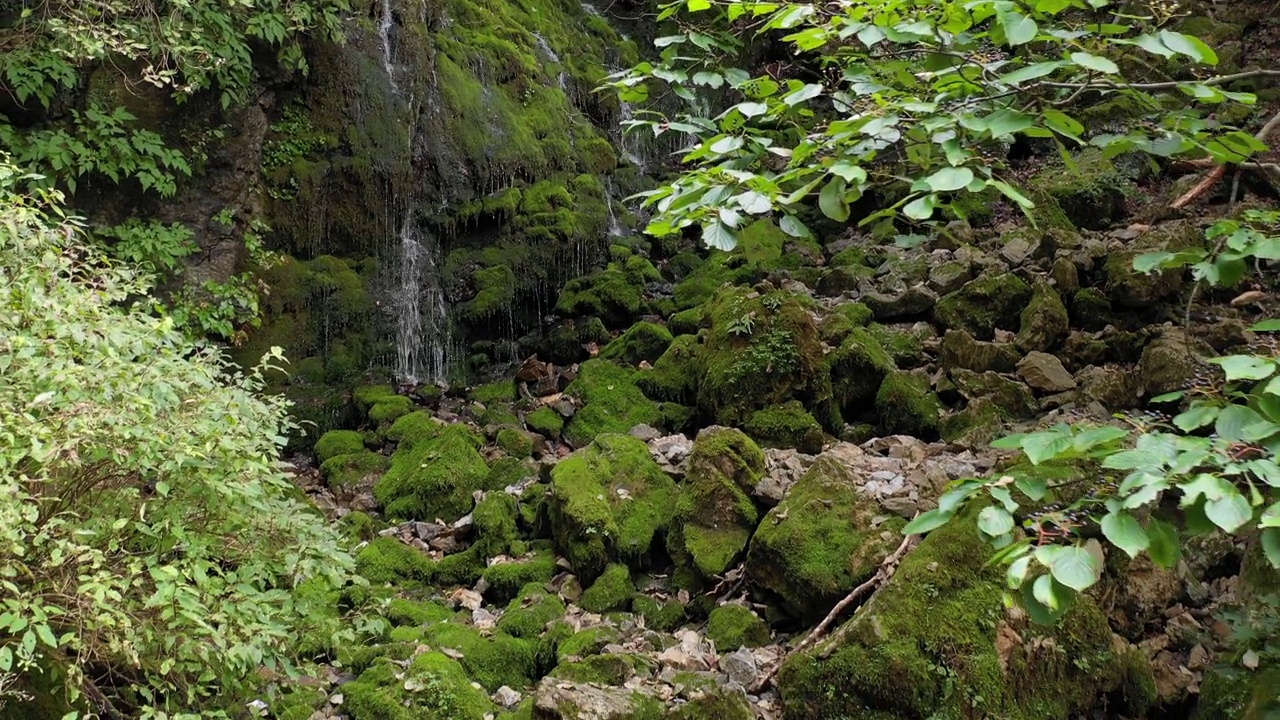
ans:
x=338 y=442
x=787 y=425
x=505 y=579
x=610 y=295
x=435 y=478
x=644 y=341
x=658 y=615
x=674 y=376
x=907 y=406
x=545 y=421
x=403 y=612
x=609 y=402
x=603 y=670
x=348 y=471
x=858 y=368
x=493 y=661
x=359 y=526
x=502 y=391
x=515 y=443
x=715 y=515
x=529 y=613
x=586 y=643
x=613 y=590
x=732 y=626
x=845 y=318
x=414 y=428
x=1089 y=190
x=984 y=304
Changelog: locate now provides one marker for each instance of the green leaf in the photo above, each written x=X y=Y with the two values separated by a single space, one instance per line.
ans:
x=1018 y=28
x=792 y=226
x=1164 y=548
x=1046 y=445
x=46 y=635
x=831 y=200
x=696 y=5
x=727 y=144
x=1044 y=592
x=1192 y=47
x=751 y=109
x=1270 y=539
x=949 y=179
x=1096 y=63
x=1266 y=326
x=1017 y=572
x=1076 y=567
x=923 y=523
x=1233 y=420
x=719 y=236
x=754 y=203
x=850 y=172
x=1031 y=72
x=1012 y=193
x=921 y=208
x=1245 y=367
x=1230 y=511
x=1090 y=438
x=995 y=521
x=1125 y=533
x=1040 y=613
x=1007 y=122
x=1196 y=416
x=808 y=92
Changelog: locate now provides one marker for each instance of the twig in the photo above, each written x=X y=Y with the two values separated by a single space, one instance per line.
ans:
x=1218 y=172
x=1170 y=85
x=887 y=568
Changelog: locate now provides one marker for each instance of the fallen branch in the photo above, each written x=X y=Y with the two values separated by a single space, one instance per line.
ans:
x=1218 y=172
x=886 y=571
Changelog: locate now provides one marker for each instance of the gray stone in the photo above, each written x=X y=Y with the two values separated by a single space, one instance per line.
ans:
x=645 y=433
x=560 y=700
x=740 y=667
x=949 y=277
x=913 y=301
x=507 y=698
x=1045 y=373
x=961 y=350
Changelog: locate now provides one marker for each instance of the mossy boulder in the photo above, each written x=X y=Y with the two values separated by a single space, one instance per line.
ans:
x=545 y=421
x=1013 y=399
x=761 y=351
x=411 y=429
x=1170 y=361
x=381 y=404
x=858 y=367
x=1088 y=189
x=733 y=625
x=505 y=579
x=714 y=703
x=844 y=319
x=674 y=377
x=353 y=469
x=644 y=341
x=613 y=590
x=1044 y=322
x=434 y=479
x=567 y=341
x=604 y=670
x=936 y=637
x=662 y=616
x=433 y=687
x=1128 y=288
x=515 y=443
x=609 y=402
x=820 y=541
x=715 y=515
x=787 y=425
x=609 y=501
x=492 y=660
x=906 y=405
x=529 y=613
x=611 y=295
x=960 y=350
x=338 y=442
x=980 y=306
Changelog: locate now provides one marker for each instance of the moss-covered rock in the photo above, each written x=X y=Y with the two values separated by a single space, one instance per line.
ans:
x=906 y=405
x=715 y=515
x=820 y=541
x=434 y=479
x=936 y=638
x=960 y=350
x=505 y=579
x=787 y=425
x=732 y=626
x=609 y=402
x=844 y=319
x=644 y=341
x=338 y=442
x=515 y=443
x=904 y=346
x=1044 y=322
x=714 y=703
x=610 y=295
x=674 y=376
x=858 y=367
x=586 y=642
x=982 y=305
x=1089 y=190
x=1129 y=288
x=353 y=469
x=604 y=670
x=545 y=421
x=1013 y=399
x=414 y=428
x=613 y=590
x=433 y=687
x=658 y=615
x=567 y=341
x=529 y=613
x=404 y=612
x=491 y=660
x=609 y=501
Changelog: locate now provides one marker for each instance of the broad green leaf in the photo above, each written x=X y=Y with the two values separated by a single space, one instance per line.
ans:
x=1007 y=122
x=1096 y=63
x=1040 y=613
x=1031 y=72
x=1044 y=592
x=1151 y=44
x=949 y=179
x=850 y=172
x=696 y=5
x=1018 y=28
x=1017 y=572
x=727 y=144
x=1230 y=511
x=1266 y=326
x=754 y=203
x=831 y=200
x=1192 y=47
x=1046 y=446
x=1164 y=548
x=808 y=92
x=46 y=635
x=1270 y=539
x=1125 y=533
x=719 y=236
x=708 y=79
x=1196 y=416
x=995 y=521
x=1092 y=437
x=1233 y=421
x=1013 y=194
x=921 y=208
x=1076 y=567
x=751 y=109
x=923 y=523
x=1245 y=367
x=1063 y=123
x=792 y=226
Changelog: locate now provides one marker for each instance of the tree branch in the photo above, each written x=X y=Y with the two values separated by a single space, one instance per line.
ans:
x=1168 y=85
x=1218 y=172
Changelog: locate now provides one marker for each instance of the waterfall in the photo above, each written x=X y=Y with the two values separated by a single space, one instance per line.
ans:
x=629 y=140
x=385 y=24
x=546 y=49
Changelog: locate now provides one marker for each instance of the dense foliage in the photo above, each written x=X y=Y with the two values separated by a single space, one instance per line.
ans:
x=909 y=104
x=149 y=543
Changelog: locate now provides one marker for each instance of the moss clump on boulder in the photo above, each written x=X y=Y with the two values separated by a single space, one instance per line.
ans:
x=415 y=613
x=1089 y=190
x=907 y=406
x=715 y=515
x=788 y=425
x=338 y=442
x=844 y=319
x=858 y=367
x=502 y=391
x=414 y=428
x=434 y=479
x=545 y=421
x=604 y=670
x=350 y=470
x=675 y=374
x=714 y=703
x=529 y=613
x=609 y=501
x=387 y=560
x=613 y=590
x=1129 y=288
x=644 y=341
x=1044 y=322
x=515 y=443
x=960 y=350
x=493 y=660
x=926 y=645
x=434 y=687
x=820 y=541
x=611 y=295
x=505 y=579
x=984 y=304
x=732 y=626
x=660 y=616
x=609 y=402
x=567 y=341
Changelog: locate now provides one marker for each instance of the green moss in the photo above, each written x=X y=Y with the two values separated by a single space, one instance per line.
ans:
x=433 y=479
x=732 y=626
x=676 y=418
x=788 y=425
x=339 y=442
x=566 y=342
x=907 y=406
x=659 y=616
x=674 y=376
x=604 y=670
x=388 y=410
x=715 y=515
x=609 y=402
x=414 y=612
x=528 y=615
x=495 y=523
x=387 y=560
x=925 y=646
x=414 y=428
x=493 y=661
x=507 y=471
x=507 y=578
x=613 y=590
x=433 y=687
x=585 y=643
x=1044 y=322
x=502 y=391
x=347 y=471
x=844 y=320
x=644 y=341
x=977 y=425
x=1089 y=190
x=858 y=367
x=609 y=500
x=515 y=443
x=687 y=322
x=984 y=304
x=359 y=526
x=820 y=541
x=545 y=421
x=714 y=703
x=903 y=346
x=610 y=295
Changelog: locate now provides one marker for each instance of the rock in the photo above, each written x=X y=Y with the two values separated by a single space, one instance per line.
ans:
x=715 y=516
x=1129 y=288
x=820 y=541
x=1045 y=373
x=1065 y=276
x=1116 y=388
x=949 y=276
x=556 y=699
x=740 y=667
x=1170 y=361
x=982 y=305
x=689 y=653
x=507 y=698
x=645 y=433
x=1044 y=322
x=907 y=406
x=1011 y=397
x=961 y=350
x=912 y=302
x=736 y=625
